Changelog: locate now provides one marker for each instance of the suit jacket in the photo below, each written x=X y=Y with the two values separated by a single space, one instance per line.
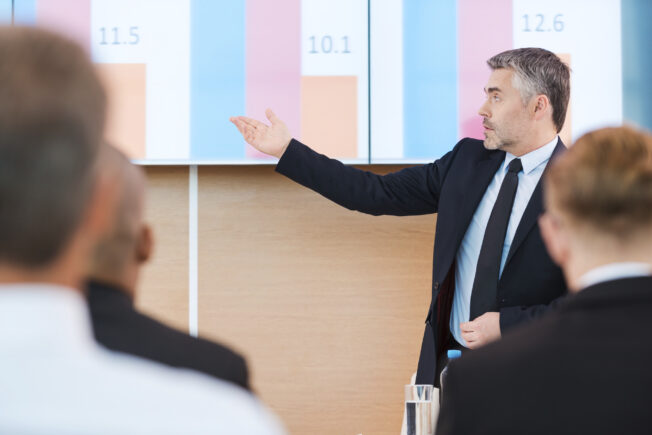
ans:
x=585 y=368
x=452 y=187
x=118 y=326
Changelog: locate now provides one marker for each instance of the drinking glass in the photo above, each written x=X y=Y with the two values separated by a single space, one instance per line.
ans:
x=419 y=410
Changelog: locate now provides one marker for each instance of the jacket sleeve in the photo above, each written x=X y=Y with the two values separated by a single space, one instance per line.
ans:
x=519 y=315
x=411 y=191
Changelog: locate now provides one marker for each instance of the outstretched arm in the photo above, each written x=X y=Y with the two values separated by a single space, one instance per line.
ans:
x=411 y=191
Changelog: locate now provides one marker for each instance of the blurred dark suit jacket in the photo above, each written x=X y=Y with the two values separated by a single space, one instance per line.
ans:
x=118 y=326
x=584 y=368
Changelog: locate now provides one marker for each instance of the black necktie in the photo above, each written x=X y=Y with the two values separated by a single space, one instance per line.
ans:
x=484 y=294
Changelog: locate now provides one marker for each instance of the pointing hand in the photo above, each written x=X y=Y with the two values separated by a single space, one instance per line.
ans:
x=269 y=139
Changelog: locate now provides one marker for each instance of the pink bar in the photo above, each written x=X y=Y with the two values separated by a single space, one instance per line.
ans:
x=70 y=17
x=273 y=62
x=485 y=29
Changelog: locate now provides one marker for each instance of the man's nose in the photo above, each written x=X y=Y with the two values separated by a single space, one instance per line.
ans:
x=484 y=111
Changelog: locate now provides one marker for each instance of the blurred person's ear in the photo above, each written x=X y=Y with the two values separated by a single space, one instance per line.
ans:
x=555 y=238
x=144 y=244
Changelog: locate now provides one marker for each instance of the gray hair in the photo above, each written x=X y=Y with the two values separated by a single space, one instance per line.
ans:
x=538 y=71
x=52 y=114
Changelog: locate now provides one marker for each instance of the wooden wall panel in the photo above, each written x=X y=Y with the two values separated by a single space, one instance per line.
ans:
x=328 y=305
x=163 y=291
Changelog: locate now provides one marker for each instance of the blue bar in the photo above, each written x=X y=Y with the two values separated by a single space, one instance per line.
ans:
x=217 y=79
x=25 y=12
x=5 y=12
x=637 y=62
x=430 y=77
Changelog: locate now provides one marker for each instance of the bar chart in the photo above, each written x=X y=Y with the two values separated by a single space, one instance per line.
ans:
x=176 y=70
x=364 y=81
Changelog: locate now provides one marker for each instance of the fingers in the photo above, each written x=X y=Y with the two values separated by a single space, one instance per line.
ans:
x=467 y=326
x=249 y=128
x=247 y=131
x=470 y=338
x=272 y=117
x=243 y=120
x=471 y=334
x=253 y=123
x=467 y=336
x=250 y=136
x=473 y=339
x=241 y=126
x=473 y=344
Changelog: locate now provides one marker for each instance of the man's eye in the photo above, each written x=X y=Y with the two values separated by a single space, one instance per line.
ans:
x=496 y=98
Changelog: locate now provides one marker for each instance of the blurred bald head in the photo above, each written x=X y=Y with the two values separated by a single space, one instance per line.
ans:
x=120 y=253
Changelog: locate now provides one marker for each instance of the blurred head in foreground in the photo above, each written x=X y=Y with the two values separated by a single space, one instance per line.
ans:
x=599 y=202
x=52 y=201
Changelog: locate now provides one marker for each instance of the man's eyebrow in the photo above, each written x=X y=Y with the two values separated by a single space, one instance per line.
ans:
x=490 y=90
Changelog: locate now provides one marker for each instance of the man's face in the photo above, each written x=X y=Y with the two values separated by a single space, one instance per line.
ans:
x=505 y=116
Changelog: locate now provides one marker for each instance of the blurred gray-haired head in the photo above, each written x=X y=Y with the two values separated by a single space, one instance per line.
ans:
x=52 y=115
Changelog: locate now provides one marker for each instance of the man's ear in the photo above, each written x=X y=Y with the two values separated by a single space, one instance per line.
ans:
x=145 y=244
x=554 y=238
x=540 y=106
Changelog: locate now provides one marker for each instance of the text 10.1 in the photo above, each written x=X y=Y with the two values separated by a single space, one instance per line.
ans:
x=326 y=45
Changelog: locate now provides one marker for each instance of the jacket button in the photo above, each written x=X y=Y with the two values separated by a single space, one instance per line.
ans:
x=436 y=285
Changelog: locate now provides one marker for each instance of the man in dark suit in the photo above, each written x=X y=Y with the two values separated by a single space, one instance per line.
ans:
x=114 y=271
x=584 y=368
x=490 y=269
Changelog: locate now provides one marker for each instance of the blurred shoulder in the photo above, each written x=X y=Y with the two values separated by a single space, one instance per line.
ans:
x=181 y=397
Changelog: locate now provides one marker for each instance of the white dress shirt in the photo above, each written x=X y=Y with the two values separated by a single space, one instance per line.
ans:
x=533 y=163
x=54 y=379
x=613 y=271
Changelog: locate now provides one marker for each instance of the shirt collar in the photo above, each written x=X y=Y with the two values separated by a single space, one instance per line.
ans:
x=534 y=159
x=613 y=271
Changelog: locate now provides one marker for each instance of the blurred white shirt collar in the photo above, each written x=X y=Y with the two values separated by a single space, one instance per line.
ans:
x=613 y=271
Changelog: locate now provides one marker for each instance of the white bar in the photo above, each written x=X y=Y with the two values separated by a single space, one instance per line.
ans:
x=386 y=79
x=337 y=19
x=161 y=41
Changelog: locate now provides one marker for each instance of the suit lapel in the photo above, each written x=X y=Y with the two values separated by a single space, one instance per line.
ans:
x=533 y=210
x=473 y=192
